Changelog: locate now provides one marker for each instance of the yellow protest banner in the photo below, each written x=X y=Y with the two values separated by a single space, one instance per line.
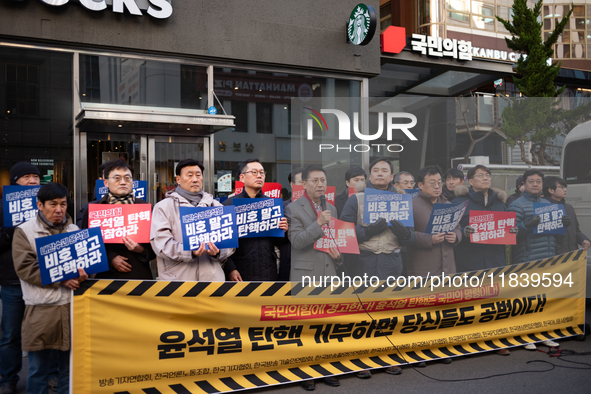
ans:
x=160 y=336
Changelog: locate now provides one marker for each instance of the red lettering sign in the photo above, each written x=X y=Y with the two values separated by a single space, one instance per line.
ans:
x=121 y=220
x=297 y=191
x=493 y=227
x=340 y=235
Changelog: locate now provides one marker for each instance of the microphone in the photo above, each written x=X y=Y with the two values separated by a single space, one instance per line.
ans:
x=323 y=202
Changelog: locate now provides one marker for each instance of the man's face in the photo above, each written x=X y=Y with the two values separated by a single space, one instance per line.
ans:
x=357 y=182
x=253 y=176
x=120 y=182
x=381 y=175
x=297 y=180
x=480 y=181
x=28 y=180
x=431 y=186
x=54 y=210
x=191 y=179
x=559 y=193
x=315 y=185
x=533 y=184
x=451 y=183
x=406 y=182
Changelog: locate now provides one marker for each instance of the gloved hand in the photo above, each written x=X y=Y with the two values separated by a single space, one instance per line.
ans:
x=532 y=222
x=469 y=230
x=513 y=230
x=376 y=228
x=399 y=230
x=566 y=221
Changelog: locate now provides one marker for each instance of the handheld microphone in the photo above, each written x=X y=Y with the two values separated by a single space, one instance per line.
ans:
x=323 y=202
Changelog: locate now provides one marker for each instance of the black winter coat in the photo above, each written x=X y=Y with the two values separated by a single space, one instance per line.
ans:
x=140 y=262
x=254 y=258
x=7 y=273
x=574 y=237
x=471 y=256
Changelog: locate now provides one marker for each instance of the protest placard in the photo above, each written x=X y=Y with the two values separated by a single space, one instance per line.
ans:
x=20 y=204
x=258 y=217
x=492 y=227
x=140 y=189
x=340 y=235
x=412 y=192
x=551 y=218
x=445 y=217
x=388 y=205
x=209 y=224
x=61 y=255
x=270 y=189
x=121 y=220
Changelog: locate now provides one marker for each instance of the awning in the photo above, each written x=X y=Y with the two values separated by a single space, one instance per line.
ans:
x=141 y=119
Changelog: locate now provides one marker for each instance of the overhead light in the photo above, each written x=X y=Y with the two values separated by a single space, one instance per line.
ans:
x=284 y=107
x=236 y=87
x=8 y=111
x=188 y=128
x=199 y=98
x=120 y=125
x=84 y=94
x=585 y=90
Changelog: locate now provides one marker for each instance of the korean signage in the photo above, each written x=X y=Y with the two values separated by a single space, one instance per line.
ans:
x=140 y=189
x=297 y=191
x=20 y=204
x=492 y=227
x=445 y=217
x=551 y=218
x=61 y=255
x=340 y=235
x=211 y=224
x=438 y=47
x=258 y=217
x=121 y=220
x=270 y=189
x=388 y=205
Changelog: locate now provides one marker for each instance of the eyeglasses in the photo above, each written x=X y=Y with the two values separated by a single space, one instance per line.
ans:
x=126 y=178
x=315 y=181
x=434 y=184
x=481 y=176
x=255 y=173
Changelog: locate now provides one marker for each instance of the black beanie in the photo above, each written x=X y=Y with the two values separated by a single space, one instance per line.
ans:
x=20 y=169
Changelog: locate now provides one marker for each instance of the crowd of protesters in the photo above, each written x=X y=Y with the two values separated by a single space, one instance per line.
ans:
x=36 y=318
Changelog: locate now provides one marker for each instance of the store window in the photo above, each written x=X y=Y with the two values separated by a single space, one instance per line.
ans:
x=36 y=96
x=575 y=41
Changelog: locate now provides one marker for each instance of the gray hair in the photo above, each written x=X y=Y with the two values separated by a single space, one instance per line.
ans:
x=397 y=176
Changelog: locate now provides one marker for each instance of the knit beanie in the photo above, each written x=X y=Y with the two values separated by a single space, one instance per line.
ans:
x=20 y=169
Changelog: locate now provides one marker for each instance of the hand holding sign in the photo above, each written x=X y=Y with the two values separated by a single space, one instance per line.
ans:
x=74 y=284
x=550 y=219
x=490 y=227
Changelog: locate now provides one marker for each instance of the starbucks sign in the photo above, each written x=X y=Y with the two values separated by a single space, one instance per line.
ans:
x=361 y=25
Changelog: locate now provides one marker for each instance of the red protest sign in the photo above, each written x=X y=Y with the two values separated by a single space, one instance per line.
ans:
x=492 y=227
x=271 y=189
x=121 y=220
x=297 y=191
x=351 y=191
x=338 y=234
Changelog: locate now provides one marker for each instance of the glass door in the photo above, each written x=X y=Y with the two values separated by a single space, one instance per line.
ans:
x=153 y=158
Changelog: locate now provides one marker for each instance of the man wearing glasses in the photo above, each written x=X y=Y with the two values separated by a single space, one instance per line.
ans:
x=532 y=246
x=404 y=180
x=128 y=260
x=255 y=258
x=431 y=254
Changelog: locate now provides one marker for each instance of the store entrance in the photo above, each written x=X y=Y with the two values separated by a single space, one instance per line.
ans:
x=153 y=158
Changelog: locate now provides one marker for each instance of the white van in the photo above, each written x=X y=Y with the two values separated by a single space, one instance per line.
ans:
x=576 y=171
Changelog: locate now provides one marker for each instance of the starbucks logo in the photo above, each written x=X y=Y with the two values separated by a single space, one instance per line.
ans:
x=362 y=24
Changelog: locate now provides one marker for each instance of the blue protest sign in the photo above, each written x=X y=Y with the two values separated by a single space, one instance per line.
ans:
x=211 y=224
x=412 y=192
x=61 y=255
x=445 y=217
x=388 y=205
x=551 y=218
x=140 y=189
x=20 y=204
x=259 y=217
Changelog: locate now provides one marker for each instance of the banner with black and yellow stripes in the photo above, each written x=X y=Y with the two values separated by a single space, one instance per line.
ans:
x=194 y=337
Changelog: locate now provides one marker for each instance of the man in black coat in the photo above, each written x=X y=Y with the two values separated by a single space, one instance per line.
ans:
x=453 y=178
x=255 y=258
x=128 y=260
x=355 y=177
x=555 y=192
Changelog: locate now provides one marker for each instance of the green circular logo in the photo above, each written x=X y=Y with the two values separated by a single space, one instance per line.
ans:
x=362 y=24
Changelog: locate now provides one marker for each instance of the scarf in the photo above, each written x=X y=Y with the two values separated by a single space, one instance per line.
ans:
x=193 y=198
x=52 y=225
x=317 y=210
x=127 y=199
